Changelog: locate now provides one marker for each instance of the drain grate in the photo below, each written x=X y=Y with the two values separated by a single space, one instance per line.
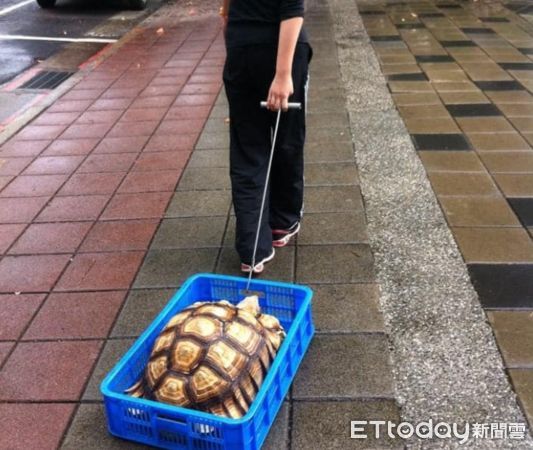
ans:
x=46 y=80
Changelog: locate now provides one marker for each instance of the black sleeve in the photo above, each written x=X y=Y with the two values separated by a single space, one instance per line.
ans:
x=291 y=8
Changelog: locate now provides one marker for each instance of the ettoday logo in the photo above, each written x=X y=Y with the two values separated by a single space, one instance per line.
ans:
x=361 y=429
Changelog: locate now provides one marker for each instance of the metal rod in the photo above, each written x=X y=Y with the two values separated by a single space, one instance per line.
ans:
x=292 y=105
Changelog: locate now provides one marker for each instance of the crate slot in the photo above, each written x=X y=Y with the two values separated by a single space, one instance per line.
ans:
x=173 y=438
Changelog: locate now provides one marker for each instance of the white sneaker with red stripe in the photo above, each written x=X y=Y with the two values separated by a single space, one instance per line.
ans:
x=280 y=238
x=260 y=266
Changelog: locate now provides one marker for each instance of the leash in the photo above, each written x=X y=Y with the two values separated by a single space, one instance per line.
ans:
x=273 y=137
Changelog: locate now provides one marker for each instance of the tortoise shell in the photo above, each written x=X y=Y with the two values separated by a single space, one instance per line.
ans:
x=213 y=357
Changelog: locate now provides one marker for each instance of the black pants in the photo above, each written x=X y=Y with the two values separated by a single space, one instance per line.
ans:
x=248 y=74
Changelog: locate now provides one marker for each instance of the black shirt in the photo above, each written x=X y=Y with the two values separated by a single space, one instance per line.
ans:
x=258 y=21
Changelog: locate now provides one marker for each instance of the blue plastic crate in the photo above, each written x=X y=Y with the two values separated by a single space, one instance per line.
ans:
x=166 y=426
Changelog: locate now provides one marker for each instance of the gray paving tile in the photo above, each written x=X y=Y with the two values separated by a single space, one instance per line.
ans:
x=190 y=232
x=140 y=309
x=280 y=269
x=345 y=308
x=170 y=267
x=199 y=203
x=321 y=89
x=229 y=236
x=333 y=228
x=330 y=105
x=204 y=178
x=326 y=425
x=328 y=264
x=219 y=111
x=209 y=158
x=332 y=199
x=328 y=152
x=325 y=120
x=334 y=133
x=88 y=431
x=217 y=124
x=324 y=174
x=345 y=367
x=278 y=436
x=113 y=351
x=218 y=139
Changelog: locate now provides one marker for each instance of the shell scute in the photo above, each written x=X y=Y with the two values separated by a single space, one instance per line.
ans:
x=186 y=355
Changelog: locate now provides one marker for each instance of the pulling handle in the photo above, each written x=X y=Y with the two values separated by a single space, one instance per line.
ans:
x=292 y=105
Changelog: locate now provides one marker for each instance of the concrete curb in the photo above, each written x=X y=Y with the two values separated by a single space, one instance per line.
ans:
x=445 y=360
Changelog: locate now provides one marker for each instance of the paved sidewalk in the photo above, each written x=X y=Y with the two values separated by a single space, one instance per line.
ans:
x=83 y=190
x=97 y=233
x=446 y=363
x=461 y=77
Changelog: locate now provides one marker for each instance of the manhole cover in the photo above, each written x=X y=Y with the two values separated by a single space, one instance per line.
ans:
x=46 y=80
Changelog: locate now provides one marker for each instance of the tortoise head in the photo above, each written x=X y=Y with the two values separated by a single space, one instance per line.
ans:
x=274 y=331
x=250 y=304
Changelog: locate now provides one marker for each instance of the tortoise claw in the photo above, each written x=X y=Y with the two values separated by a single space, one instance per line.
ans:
x=137 y=390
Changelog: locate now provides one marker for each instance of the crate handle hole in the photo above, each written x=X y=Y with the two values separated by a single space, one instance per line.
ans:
x=173 y=419
x=249 y=292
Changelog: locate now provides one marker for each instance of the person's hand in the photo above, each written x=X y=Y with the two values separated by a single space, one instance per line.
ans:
x=280 y=90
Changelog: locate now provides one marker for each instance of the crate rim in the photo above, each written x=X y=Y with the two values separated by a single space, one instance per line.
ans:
x=164 y=407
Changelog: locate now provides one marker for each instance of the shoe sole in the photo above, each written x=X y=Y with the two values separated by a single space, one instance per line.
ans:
x=285 y=239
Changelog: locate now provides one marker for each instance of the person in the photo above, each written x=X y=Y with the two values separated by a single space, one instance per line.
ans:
x=267 y=58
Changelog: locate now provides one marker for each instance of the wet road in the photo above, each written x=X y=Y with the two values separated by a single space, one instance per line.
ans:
x=29 y=34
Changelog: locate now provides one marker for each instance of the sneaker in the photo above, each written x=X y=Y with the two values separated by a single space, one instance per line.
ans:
x=280 y=238
x=260 y=266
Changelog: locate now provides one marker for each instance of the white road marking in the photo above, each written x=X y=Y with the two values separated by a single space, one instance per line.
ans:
x=18 y=37
x=15 y=6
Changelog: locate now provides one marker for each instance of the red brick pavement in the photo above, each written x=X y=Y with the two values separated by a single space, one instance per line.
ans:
x=82 y=191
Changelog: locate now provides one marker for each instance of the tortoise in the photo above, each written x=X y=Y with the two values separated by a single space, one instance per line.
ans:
x=212 y=357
